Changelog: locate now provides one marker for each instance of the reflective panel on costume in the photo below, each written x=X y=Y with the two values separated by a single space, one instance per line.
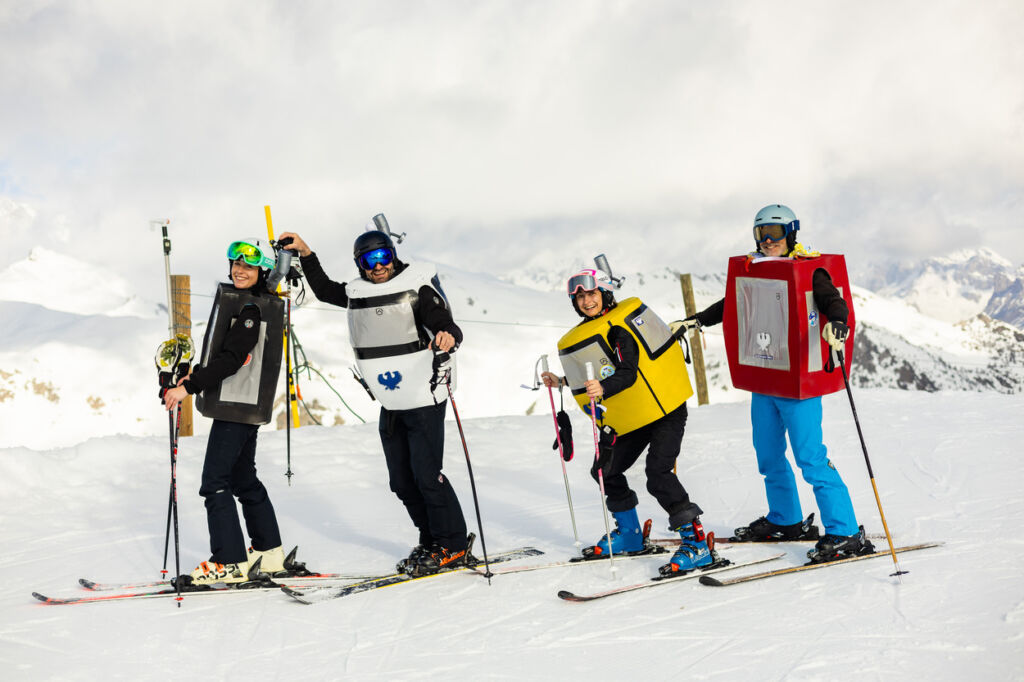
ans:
x=762 y=315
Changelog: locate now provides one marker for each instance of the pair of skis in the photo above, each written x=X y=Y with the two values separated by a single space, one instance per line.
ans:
x=708 y=577
x=305 y=586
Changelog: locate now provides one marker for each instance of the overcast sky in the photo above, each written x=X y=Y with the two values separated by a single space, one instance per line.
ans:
x=509 y=134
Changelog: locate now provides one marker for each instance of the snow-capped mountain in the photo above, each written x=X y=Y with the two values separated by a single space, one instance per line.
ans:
x=76 y=355
x=953 y=288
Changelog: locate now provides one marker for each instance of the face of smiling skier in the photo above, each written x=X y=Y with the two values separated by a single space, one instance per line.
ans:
x=590 y=302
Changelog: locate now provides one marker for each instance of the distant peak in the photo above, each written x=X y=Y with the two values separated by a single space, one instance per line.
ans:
x=982 y=252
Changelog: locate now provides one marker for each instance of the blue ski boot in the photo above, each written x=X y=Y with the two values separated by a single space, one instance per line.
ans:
x=693 y=553
x=627 y=537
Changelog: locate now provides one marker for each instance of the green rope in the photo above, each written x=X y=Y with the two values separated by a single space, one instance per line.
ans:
x=308 y=367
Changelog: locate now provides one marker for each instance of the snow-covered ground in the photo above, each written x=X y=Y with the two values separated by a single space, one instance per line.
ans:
x=947 y=465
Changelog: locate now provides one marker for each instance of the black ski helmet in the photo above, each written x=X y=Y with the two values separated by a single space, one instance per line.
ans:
x=371 y=241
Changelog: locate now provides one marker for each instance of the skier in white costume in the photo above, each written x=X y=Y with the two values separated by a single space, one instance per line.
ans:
x=402 y=333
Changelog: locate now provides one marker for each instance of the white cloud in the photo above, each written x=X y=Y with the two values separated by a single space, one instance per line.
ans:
x=497 y=131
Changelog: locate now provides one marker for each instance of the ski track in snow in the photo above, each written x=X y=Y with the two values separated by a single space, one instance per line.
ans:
x=947 y=467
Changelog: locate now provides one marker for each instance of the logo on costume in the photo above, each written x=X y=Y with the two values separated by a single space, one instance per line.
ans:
x=607 y=371
x=812 y=318
x=248 y=324
x=390 y=380
x=380 y=311
x=764 y=339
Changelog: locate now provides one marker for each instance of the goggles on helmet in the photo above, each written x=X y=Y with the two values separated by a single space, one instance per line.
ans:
x=586 y=280
x=371 y=259
x=250 y=254
x=774 y=232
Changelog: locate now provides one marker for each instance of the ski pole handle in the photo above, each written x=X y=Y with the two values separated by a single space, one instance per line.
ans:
x=590 y=372
x=544 y=362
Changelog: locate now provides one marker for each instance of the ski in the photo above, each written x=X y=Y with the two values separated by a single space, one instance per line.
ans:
x=293 y=571
x=714 y=582
x=321 y=593
x=167 y=591
x=654 y=582
x=576 y=561
x=94 y=586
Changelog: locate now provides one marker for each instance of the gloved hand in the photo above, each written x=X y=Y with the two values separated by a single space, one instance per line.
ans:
x=835 y=334
x=606 y=449
x=564 y=435
x=442 y=369
x=685 y=326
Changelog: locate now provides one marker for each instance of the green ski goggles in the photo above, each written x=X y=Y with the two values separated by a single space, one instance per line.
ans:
x=250 y=255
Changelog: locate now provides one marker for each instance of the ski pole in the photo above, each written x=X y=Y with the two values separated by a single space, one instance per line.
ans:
x=289 y=386
x=600 y=472
x=472 y=483
x=170 y=381
x=871 y=473
x=561 y=457
x=175 y=429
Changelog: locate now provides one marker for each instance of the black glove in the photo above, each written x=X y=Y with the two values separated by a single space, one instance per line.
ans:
x=606 y=449
x=442 y=369
x=564 y=435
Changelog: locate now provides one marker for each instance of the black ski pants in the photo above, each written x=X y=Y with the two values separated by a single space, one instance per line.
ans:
x=413 y=443
x=229 y=471
x=663 y=439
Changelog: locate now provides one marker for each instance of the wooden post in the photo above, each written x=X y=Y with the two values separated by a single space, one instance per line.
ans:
x=181 y=292
x=696 y=347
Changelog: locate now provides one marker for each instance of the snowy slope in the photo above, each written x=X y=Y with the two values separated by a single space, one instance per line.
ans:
x=60 y=282
x=947 y=467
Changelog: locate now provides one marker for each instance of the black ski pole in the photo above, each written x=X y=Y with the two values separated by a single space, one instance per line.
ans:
x=167 y=381
x=472 y=483
x=175 y=428
x=871 y=473
x=167 y=533
x=289 y=387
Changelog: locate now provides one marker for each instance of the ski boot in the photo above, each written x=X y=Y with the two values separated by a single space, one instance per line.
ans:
x=273 y=560
x=210 y=573
x=763 y=530
x=410 y=562
x=835 y=547
x=440 y=558
x=696 y=551
x=627 y=538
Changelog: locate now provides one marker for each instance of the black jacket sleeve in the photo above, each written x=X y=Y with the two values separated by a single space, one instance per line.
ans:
x=827 y=297
x=325 y=289
x=626 y=358
x=238 y=343
x=711 y=315
x=432 y=313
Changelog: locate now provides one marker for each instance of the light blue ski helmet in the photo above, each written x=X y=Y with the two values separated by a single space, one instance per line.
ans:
x=777 y=214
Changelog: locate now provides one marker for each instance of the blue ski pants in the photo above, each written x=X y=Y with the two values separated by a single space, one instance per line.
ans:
x=772 y=418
